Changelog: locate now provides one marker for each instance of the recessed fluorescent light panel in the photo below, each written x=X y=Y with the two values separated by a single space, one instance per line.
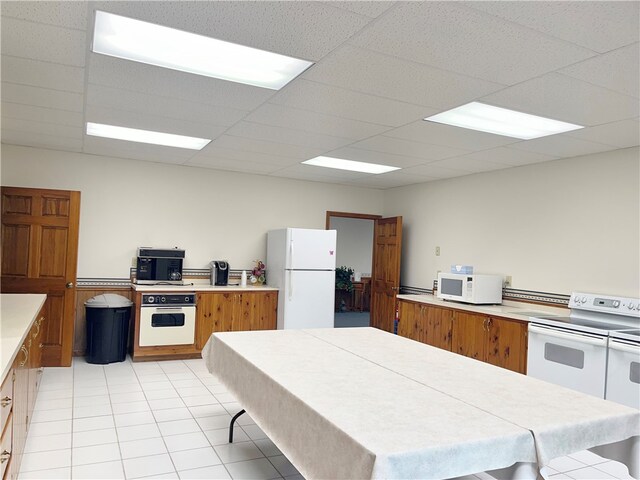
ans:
x=340 y=164
x=502 y=121
x=145 y=42
x=146 y=136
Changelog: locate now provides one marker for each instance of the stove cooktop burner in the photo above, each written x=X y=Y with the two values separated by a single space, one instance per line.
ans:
x=580 y=324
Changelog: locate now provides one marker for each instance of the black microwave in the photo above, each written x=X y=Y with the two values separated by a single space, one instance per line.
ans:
x=158 y=265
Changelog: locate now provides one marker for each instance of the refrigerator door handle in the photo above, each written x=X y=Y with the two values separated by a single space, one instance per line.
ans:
x=290 y=285
x=291 y=252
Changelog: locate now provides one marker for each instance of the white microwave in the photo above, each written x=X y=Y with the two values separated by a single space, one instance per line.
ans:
x=470 y=288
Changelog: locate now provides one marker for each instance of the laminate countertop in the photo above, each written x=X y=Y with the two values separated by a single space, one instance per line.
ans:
x=508 y=309
x=205 y=287
x=17 y=313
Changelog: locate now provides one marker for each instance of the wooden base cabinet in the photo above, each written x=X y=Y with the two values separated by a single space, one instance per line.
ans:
x=234 y=311
x=426 y=324
x=18 y=400
x=498 y=341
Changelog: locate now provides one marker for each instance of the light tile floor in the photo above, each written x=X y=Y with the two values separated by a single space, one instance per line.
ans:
x=170 y=420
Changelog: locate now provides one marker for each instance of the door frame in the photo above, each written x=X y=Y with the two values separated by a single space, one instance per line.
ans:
x=356 y=216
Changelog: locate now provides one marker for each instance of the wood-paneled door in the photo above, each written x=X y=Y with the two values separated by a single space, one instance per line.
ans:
x=39 y=255
x=385 y=281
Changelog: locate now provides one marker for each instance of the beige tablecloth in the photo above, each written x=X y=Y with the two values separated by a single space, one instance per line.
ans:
x=361 y=403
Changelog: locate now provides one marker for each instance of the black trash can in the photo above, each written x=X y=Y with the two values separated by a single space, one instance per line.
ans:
x=107 y=328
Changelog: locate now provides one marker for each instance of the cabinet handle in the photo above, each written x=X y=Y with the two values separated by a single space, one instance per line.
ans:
x=38 y=327
x=4 y=456
x=26 y=355
x=485 y=325
x=5 y=401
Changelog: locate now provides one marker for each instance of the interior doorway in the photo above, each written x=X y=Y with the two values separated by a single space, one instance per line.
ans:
x=354 y=256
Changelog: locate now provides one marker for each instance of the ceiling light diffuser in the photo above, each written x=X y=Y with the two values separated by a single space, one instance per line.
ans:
x=145 y=42
x=502 y=121
x=146 y=136
x=341 y=164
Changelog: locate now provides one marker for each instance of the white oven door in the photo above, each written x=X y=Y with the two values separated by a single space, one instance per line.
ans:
x=167 y=326
x=575 y=360
x=623 y=373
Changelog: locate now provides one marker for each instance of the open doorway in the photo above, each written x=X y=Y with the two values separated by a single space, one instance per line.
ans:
x=354 y=264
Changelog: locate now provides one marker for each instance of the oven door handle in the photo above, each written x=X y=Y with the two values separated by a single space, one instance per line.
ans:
x=624 y=347
x=583 y=337
x=167 y=309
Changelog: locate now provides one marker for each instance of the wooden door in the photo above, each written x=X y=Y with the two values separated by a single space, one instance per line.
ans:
x=469 y=336
x=437 y=326
x=259 y=310
x=385 y=281
x=39 y=255
x=408 y=313
x=226 y=311
x=507 y=344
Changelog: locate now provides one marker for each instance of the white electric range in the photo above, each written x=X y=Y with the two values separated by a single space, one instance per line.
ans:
x=595 y=350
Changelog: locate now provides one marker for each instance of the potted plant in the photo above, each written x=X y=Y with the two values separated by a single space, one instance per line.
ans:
x=344 y=287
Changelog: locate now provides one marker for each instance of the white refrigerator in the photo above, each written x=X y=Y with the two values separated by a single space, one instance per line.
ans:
x=302 y=263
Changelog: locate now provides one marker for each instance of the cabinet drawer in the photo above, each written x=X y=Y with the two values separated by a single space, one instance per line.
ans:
x=5 y=447
x=6 y=399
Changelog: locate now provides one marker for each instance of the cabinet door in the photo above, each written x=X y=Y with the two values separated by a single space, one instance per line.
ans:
x=259 y=310
x=408 y=324
x=437 y=324
x=507 y=344
x=469 y=335
x=204 y=318
x=226 y=312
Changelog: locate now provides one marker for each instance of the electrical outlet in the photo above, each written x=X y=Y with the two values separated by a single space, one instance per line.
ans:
x=437 y=251
x=507 y=281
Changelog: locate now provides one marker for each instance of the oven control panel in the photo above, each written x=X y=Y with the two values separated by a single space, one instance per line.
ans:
x=605 y=304
x=183 y=299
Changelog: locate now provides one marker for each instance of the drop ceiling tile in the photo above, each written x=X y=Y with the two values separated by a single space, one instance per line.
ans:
x=43 y=42
x=390 y=180
x=509 y=156
x=277 y=115
x=41 y=128
x=307 y=30
x=42 y=97
x=433 y=171
x=42 y=74
x=286 y=135
x=600 y=26
x=398 y=146
x=623 y=134
x=378 y=74
x=144 y=121
x=233 y=165
x=449 y=36
x=31 y=139
x=213 y=152
x=625 y=62
x=62 y=14
x=340 y=102
x=269 y=148
x=370 y=9
x=370 y=156
x=126 y=100
x=568 y=99
x=562 y=146
x=149 y=79
x=448 y=136
x=467 y=164
x=39 y=114
x=136 y=151
x=318 y=174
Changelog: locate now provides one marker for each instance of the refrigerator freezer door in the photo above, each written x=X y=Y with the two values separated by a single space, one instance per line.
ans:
x=307 y=299
x=311 y=249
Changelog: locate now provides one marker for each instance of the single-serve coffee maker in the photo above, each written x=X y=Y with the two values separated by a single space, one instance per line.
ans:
x=219 y=272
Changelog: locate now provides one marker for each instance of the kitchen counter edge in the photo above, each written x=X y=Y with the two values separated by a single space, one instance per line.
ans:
x=508 y=309
x=201 y=288
x=18 y=311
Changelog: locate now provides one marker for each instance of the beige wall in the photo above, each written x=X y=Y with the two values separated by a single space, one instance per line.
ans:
x=212 y=214
x=570 y=224
x=355 y=243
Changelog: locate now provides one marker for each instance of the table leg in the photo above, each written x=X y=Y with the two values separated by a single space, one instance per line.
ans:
x=233 y=420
